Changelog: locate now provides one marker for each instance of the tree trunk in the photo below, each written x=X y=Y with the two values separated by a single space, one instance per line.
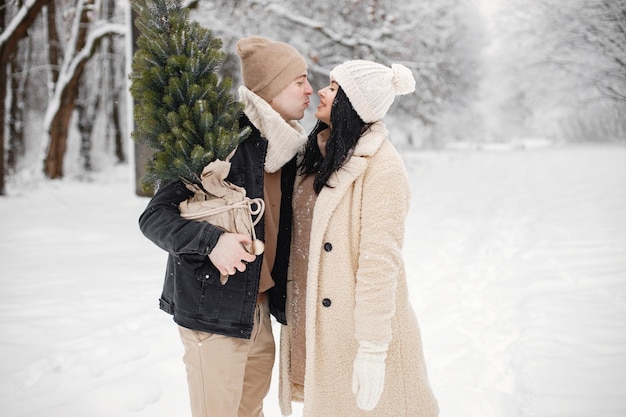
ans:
x=117 y=130
x=16 y=30
x=59 y=126
x=87 y=111
x=113 y=108
x=53 y=43
x=16 y=110
x=142 y=152
x=2 y=98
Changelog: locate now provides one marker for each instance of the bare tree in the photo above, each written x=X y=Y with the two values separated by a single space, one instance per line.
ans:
x=98 y=105
x=85 y=37
x=67 y=56
x=18 y=82
x=9 y=38
x=54 y=43
x=87 y=108
x=113 y=87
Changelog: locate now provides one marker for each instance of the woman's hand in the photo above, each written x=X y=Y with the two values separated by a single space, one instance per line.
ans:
x=368 y=375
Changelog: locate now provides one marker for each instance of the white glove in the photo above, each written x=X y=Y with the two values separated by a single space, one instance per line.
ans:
x=368 y=375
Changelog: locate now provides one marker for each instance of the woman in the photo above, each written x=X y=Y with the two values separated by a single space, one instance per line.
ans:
x=352 y=345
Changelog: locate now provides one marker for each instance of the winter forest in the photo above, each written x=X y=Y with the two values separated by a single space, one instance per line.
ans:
x=488 y=71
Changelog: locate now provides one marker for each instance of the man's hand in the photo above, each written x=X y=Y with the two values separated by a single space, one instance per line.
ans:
x=229 y=255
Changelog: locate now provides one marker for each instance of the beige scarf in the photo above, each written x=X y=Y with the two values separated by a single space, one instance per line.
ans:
x=284 y=138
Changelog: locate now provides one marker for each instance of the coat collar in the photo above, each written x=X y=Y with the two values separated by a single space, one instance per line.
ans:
x=367 y=146
x=342 y=180
x=371 y=140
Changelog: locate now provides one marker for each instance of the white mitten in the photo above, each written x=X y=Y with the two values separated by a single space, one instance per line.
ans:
x=368 y=375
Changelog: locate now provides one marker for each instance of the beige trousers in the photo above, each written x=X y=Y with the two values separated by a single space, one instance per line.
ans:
x=228 y=376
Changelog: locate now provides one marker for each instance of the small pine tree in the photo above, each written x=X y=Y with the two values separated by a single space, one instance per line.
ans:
x=183 y=111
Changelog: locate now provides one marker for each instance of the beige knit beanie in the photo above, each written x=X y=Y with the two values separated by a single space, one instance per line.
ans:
x=267 y=67
x=372 y=87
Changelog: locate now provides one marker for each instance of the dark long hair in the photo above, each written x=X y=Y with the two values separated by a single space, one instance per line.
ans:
x=347 y=128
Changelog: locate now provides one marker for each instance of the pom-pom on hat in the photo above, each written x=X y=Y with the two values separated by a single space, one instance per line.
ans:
x=372 y=87
x=267 y=67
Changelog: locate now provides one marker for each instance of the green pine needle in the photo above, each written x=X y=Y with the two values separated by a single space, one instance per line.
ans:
x=183 y=111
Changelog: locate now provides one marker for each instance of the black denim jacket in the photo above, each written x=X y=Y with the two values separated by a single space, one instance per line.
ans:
x=192 y=291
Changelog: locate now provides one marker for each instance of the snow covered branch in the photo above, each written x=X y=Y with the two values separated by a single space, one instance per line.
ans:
x=96 y=34
x=338 y=38
x=20 y=18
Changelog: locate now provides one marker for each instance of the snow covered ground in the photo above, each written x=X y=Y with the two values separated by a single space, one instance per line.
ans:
x=517 y=269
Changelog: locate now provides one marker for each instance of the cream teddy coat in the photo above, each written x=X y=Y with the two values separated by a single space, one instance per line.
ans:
x=356 y=290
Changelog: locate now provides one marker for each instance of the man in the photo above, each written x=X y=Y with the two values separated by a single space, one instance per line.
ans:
x=226 y=329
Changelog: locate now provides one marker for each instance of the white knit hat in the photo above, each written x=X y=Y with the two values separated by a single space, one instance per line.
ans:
x=371 y=87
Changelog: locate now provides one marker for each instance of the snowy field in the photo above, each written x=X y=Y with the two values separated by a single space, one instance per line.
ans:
x=516 y=262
